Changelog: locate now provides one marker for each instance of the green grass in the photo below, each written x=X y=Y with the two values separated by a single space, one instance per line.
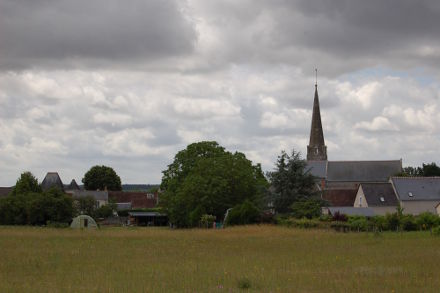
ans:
x=254 y=258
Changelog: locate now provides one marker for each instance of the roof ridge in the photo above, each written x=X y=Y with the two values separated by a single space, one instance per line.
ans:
x=340 y=161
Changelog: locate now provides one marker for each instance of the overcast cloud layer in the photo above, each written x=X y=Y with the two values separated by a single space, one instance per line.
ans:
x=130 y=84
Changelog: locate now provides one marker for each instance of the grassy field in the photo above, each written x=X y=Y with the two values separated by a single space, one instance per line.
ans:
x=268 y=258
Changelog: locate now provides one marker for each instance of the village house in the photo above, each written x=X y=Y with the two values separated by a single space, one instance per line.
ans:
x=417 y=194
x=379 y=197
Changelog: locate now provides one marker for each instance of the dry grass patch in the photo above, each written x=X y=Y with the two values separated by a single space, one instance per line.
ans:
x=267 y=258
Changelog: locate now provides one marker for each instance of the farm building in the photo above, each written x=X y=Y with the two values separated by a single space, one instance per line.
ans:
x=147 y=219
x=83 y=222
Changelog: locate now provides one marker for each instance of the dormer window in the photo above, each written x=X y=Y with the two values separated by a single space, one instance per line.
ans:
x=382 y=199
x=410 y=194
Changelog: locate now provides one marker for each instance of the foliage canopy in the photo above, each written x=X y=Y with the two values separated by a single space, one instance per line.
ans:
x=290 y=182
x=102 y=177
x=206 y=179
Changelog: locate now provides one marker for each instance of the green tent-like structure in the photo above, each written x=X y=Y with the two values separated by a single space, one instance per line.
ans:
x=83 y=221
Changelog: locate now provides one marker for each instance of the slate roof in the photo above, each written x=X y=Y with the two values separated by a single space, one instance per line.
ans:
x=375 y=191
x=421 y=188
x=317 y=168
x=340 y=197
x=363 y=171
x=96 y=194
x=138 y=200
x=52 y=179
x=352 y=211
x=73 y=185
x=4 y=191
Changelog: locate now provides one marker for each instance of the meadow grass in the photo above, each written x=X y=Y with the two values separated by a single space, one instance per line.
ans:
x=252 y=258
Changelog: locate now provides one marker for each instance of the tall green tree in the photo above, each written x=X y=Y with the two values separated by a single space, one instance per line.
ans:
x=102 y=177
x=206 y=179
x=27 y=183
x=290 y=182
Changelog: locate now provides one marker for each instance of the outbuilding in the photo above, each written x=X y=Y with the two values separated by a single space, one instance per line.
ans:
x=83 y=222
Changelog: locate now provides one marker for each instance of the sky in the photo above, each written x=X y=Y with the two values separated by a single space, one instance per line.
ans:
x=128 y=84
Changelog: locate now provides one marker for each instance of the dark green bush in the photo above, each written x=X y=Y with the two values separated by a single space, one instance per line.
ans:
x=427 y=221
x=104 y=211
x=309 y=208
x=358 y=223
x=378 y=223
x=340 y=226
x=408 y=223
x=245 y=213
x=392 y=221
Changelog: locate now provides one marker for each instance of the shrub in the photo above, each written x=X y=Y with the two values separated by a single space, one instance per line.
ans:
x=304 y=223
x=427 y=220
x=436 y=231
x=244 y=283
x=309 y=208
x=339 y=217
x=359 y=223
x=408 y=223
x=378 y=223
x=340 y=226
x=392 y=221
x=245 y=213
x=207 y=220
x=104 y=212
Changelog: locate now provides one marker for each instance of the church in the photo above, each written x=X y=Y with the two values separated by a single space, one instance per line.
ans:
x=339 y=180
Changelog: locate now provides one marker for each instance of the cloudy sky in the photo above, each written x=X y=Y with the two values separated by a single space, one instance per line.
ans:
x=129 y=83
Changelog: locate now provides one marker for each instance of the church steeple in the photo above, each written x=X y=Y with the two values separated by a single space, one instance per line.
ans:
x=316 y=150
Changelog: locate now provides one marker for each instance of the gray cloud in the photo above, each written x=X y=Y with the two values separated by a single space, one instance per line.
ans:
x=49 y=33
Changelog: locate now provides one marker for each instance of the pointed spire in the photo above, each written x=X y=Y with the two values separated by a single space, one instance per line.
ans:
x=316 y=150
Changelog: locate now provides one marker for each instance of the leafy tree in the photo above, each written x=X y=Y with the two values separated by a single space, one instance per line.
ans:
x=430 y=169
x=309 y=208
x=206 y=179
x=426 y=170
x=290 y=182
x=25 y=184
x=86 y=206
x=102 y=177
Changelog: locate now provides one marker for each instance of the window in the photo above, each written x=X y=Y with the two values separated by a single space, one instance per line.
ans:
x=382 y=199
x=410 y=194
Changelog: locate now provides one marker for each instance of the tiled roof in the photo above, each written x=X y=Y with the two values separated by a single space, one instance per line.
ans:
x=417 y=188
x=340 y=197
x=138 y=200
x=363 y=171
x=379 y=194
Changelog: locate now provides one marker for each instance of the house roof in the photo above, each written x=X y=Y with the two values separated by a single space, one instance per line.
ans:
x=379 y=194
x=73 y=185
x=363 y=171
x=137 y=199
x=317 y=168
x=96 y=194
x=352 y=211
x=52 y=179
x=340 y=197
x=417 y=188
x=4 y=191
x=145 y=214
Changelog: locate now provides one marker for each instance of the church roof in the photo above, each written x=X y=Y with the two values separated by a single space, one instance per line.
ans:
x=362 y=171
x=317 y=168
x=417 y=188
x=52 y=179
x=73 y=185
x=379 y=194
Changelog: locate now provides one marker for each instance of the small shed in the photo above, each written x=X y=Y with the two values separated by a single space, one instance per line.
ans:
x=83 y=221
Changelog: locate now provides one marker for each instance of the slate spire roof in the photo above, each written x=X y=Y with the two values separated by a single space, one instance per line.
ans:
x=316 y=150
x=52 y=179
